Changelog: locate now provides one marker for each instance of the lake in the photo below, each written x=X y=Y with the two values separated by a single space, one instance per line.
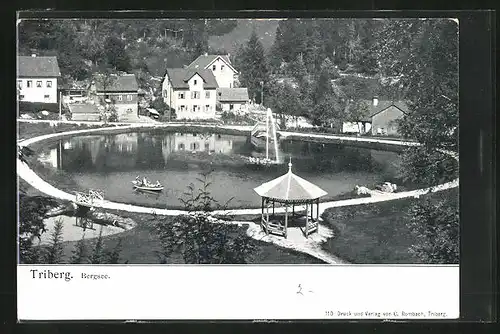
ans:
x=110 y=162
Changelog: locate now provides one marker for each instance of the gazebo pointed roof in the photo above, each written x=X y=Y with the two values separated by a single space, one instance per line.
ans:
x=290 y=187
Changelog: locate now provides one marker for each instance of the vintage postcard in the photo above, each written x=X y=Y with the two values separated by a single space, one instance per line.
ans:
x=310 y=162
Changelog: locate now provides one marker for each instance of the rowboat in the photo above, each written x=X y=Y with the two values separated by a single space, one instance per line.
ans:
x=147 y=187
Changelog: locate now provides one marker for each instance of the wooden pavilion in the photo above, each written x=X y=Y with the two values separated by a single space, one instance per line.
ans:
x=289 y=190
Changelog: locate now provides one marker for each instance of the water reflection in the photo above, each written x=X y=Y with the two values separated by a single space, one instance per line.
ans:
x=110 y=162
x=130 y=150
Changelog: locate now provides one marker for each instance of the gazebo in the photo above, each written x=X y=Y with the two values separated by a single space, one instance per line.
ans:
x=289 y=190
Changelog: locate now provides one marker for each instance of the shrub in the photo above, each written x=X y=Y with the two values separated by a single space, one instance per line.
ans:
x=34 y=107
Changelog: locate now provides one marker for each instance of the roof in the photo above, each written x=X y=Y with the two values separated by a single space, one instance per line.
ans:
x=37 y=67
x=179 y=77
x=381 y=106
x=290 y=187
x=232 y=94
x=204 y=61
x=121 y=83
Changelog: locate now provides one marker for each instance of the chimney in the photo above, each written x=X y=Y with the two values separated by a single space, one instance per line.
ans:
x=375 y=101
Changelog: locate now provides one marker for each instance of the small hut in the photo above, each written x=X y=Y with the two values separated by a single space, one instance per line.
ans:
x=289 y=190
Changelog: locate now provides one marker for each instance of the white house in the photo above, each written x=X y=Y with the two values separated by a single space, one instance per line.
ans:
x=233 y=99
x=199 y=143
x=192 y=93
x=219 y=65
x=37 y=79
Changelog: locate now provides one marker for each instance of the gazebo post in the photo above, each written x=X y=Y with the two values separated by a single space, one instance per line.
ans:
x=286 y=219
x=312 y=203
x=273 y=208
x=267 y=214
x=317 y=210
x=262 y=214
x=293 y=209
x=307 y=219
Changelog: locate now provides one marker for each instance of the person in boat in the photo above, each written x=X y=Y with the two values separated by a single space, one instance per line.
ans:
x=138 y=180
x=144 y=181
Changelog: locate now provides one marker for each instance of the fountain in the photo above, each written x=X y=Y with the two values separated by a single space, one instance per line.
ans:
x=270 y=133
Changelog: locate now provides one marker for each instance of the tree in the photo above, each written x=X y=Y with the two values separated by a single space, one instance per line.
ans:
x=253 y=67
x=54 y=252
x=97 y=256
x=297 y=69
x=284 y=100
x=116 y=55
x=200 y=237
x=32 y=211
x=80 y=253
x=357 y=111
x=113 y=256
x=159 y=105
x=328 y=107
x=435 y=224
x=424 y=55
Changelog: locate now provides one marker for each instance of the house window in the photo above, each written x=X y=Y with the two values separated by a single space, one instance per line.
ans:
x=207 y=107
x=181 y=95
x=129 y=97
x=207 y=94
x=195 y=95
x=120 y=98
x=21 y=97
x=164 y=93
x=39 y=84
x=207 y=146
x=19 y=84
x=222 y=67
x=29 y=84
x=195 y=81
x=48 y=84
x=181 y=147
x=214 y=67
x=46 y=97
x=231 y=106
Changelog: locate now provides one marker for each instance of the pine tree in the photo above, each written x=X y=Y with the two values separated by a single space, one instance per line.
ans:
x=97 y=256
x=115 y=54
x=253 y=67
x=54 y=252
x=79 y=254
x=113 y=256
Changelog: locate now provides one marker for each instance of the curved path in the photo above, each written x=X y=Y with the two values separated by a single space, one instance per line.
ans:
x=34 y=180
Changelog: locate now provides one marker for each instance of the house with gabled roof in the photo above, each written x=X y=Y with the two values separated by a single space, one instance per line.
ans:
x=191 y=92
x=120 y=90
x=37 y=79
x=219 y=65
x=381 y=117
x=233 y=99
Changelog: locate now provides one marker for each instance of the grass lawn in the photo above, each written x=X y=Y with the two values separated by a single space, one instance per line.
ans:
x=29 y=130
x=374 y=233
x=140 y=243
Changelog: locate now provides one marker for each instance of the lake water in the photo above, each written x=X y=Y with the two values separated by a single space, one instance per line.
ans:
x=110 y=162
